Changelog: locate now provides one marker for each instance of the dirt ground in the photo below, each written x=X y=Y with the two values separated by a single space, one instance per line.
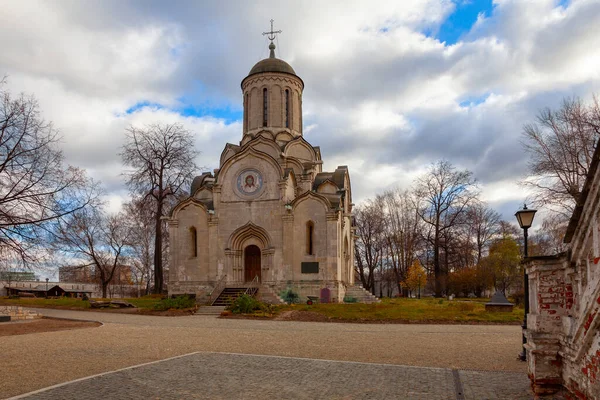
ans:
x=42 y=325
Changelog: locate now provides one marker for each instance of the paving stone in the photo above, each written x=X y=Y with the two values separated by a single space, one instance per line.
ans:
x=238 y=376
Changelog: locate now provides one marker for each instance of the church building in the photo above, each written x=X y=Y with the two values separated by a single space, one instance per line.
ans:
x=269 y=217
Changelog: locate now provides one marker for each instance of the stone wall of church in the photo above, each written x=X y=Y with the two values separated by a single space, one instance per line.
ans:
x=276 y=85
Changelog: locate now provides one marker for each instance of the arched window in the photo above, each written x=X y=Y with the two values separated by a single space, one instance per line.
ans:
x=265 y=107
x=287 y=108
x=194 y=241
x=300 y=110
x=246 y=112
x=310 y=233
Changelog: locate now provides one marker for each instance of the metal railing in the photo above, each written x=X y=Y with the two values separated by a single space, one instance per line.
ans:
x=217 y=290
x=254 y=284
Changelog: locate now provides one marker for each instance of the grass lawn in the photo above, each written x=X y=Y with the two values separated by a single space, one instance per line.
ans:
x=412 y=310
x=146 y=302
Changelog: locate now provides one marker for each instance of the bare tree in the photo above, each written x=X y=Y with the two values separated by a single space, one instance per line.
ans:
x=162 y=158
x=484 y=225
x=36 y=188
x=140 y=217
x=561 y=145
x=444 y=195
x=370 y=244
x=92 y=238
x=403 y=232
x=549 y=239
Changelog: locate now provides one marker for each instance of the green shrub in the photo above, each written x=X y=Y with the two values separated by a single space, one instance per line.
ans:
x=179 y=302
x=290 y=297
x=245 y=304
x=350 y=299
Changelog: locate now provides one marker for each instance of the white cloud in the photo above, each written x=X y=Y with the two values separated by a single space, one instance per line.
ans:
x=381 y=96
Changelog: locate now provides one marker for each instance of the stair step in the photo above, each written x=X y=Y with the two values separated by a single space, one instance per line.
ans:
x=229 y=294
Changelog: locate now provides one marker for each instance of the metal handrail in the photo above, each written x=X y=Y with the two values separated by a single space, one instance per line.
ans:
x=252 y=284
x=218 y=289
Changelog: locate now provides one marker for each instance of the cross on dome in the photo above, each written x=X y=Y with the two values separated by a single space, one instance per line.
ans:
x=271 y=36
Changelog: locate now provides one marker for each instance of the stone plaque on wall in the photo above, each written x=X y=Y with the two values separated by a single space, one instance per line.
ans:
x=310 y=267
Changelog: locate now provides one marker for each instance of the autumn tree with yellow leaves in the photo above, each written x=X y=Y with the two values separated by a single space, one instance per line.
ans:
x=416 y=278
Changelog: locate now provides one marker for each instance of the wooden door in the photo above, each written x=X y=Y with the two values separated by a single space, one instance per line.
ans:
x=251 y=263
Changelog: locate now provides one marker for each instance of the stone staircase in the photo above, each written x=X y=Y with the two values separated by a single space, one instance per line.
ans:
x=361 y=294
x=229 y=294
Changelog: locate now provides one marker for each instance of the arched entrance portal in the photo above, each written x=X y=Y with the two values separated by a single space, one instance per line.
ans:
x=251 y=263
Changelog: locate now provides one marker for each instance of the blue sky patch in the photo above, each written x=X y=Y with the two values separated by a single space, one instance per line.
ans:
x=142 y=104
x=474 y=100
x=462 y=19
x=226 y=113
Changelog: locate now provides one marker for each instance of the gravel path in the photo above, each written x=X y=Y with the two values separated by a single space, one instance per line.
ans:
x=35 y=361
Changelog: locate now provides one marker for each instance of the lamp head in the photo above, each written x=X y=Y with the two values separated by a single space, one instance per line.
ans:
x=525 y=217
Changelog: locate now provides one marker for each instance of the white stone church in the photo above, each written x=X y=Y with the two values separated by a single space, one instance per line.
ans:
x=269 y=215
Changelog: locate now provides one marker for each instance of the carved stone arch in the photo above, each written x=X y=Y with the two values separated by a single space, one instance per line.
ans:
x=241 y=239
x=265 y=134
x=295 y=165
x=327 y=186
x=290 y=174
x=301 y=149
x=291 y=184
x=185 y=203
x=203 y=193
x=265 y=145
x=248 y=150
x=284 y=137
x=247 y=138
x=309 y=195
x=249 y=231
x=228 y=152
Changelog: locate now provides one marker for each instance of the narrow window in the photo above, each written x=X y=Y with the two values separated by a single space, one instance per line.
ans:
x=300 y=110
x=287 y=108
x=246 y=112
x=194 y=241
x=265 y=108
x=310 y=230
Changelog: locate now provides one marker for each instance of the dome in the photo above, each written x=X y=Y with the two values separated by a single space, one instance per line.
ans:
x=272 y=65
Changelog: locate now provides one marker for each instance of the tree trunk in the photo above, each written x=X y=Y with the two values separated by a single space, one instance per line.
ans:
x=104 y=289
x=158 y=270
x=436 y=264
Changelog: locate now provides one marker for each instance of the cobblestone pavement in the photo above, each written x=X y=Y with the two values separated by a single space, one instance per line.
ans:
x=36 y=361
x=237 y=376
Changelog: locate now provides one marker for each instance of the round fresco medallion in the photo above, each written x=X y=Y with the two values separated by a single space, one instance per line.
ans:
x=249 y=182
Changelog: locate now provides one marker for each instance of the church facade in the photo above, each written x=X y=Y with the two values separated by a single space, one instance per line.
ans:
x=269 y=215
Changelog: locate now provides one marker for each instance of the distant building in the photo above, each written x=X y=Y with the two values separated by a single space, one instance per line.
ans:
x=13 y=276
x=76 y=274
x=47 y=290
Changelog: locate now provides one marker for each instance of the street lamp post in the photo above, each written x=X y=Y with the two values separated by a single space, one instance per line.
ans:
x=525 y=218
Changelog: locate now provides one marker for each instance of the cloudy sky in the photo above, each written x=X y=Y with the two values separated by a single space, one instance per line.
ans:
x=390 y=86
